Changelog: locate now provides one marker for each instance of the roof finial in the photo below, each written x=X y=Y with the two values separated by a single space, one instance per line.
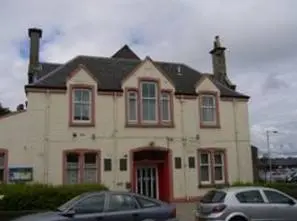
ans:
x=217 y=43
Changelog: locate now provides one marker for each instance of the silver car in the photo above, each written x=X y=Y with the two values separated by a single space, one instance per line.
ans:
x=246 y=204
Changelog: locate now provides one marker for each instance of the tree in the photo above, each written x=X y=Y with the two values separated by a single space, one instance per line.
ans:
x=4 y=110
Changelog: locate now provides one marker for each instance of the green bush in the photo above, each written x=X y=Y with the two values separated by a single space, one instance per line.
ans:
x=288 y=188
x=40 y=197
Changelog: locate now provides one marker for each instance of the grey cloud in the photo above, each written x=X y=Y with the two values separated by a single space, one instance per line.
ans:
x=274 y=82
x=259 y=36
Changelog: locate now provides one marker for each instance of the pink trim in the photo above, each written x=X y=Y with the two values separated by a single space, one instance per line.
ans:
x=93 y=105
x=81 y=153
x=218 y=123
x=159 y=123
x=169 y=161
x=212 y=151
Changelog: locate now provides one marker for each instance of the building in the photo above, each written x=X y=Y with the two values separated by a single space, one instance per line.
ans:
x=162 y=129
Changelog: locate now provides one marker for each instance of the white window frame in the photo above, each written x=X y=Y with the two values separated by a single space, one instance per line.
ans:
x=203 y=164
x=214 y=108
x=222 y=165
x=89 y=90
x=129 y=97
x=149 y=98
x=166 y=98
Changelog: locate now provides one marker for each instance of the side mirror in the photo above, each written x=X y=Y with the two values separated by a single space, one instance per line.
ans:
x=291 y=202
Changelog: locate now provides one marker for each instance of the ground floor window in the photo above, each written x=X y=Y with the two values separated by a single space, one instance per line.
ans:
x=81 y=166
x=212 y=166
x=3 y=166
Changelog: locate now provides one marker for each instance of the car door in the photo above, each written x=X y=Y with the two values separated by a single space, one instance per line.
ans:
x=90 y=208
x=283 y=207
x=121 y=207
x=151 y=209
x=253 y=205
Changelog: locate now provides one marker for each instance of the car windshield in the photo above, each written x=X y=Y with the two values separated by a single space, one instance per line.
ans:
x=213 y=196
x=70 y=203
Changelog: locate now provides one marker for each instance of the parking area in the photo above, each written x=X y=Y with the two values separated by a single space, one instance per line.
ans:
x=185 y=211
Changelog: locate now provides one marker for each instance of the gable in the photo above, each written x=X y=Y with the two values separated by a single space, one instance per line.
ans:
x=148 y=70
x=81 y=75
x=205 y=84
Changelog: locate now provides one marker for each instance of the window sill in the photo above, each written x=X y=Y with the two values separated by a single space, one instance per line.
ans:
x=130 y=125
x=217 y=186
x=210 y=126
x=81 y=124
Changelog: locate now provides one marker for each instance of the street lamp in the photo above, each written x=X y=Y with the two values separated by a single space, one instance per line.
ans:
x=268 y=132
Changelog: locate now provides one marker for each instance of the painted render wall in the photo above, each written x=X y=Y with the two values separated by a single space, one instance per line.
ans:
x=38 y=136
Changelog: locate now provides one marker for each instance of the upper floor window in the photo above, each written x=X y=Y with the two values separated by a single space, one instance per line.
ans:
x=149 y=101
x=209 y=110
x=149 y=105
x=82 y=106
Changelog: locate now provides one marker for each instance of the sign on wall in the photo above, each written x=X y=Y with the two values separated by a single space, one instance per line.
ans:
x=20 y=174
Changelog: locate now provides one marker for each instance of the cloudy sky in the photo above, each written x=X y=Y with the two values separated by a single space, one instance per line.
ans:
x=260 y=35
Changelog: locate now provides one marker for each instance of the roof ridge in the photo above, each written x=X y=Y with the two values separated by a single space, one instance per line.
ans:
x=107 y=58
x=54 y=71
x=54 y=63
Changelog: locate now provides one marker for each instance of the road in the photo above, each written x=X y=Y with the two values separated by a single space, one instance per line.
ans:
x=184 y=211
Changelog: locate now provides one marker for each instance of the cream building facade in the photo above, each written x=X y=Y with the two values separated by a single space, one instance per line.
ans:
x=161 y=129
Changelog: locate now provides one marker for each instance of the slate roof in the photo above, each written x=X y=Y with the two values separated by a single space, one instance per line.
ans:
x=110 y=71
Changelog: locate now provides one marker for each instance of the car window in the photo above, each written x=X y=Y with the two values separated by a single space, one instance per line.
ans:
x=145 y=203
x=213 y=196
x=275 y=197
x=119 y=202
x=92 y=204
x=251 y=196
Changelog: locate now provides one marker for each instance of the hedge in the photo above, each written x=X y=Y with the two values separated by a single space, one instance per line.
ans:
x=288 y=188
x=38 y=197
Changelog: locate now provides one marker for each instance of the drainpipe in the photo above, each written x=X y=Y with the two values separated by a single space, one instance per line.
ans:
x=184 y=144
x=236 y=139
x=115 y=141
x=46 y=138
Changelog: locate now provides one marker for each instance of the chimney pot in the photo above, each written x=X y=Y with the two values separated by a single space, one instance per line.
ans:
x=35 y=30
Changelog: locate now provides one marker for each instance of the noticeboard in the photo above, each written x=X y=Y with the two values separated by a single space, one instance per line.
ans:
x=20 y=174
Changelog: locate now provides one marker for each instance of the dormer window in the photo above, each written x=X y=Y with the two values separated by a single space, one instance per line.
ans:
x=209 y=116
x=82 y=105
x=149 y=105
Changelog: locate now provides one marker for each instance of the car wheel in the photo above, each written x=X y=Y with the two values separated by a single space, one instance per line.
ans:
x=238 y=218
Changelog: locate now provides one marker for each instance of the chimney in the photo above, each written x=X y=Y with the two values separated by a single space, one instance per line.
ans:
x=218 y=60
x=34 y=34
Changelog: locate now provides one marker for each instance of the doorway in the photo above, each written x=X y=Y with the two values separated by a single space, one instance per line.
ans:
x=147 y=181
x=151 y=172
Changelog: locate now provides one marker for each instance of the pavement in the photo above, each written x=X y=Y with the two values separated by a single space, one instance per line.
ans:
x=185 y=211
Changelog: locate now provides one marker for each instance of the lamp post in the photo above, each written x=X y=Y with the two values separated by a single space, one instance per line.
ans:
x=268 y=132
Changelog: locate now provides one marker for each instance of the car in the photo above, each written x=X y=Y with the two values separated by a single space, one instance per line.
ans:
x=245 y=204
x=108 y=206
